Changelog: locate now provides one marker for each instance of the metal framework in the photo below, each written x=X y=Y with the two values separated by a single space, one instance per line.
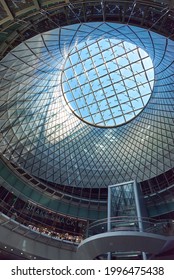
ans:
x=151 y=140
x=107 y=82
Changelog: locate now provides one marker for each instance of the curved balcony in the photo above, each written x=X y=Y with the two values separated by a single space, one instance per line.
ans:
x=31 y=242
x=127 y=234
x=40 y=220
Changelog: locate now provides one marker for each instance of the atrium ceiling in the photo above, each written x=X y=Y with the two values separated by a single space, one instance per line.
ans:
x=41 y=131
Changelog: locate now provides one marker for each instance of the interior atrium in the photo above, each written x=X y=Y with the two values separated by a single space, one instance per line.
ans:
x=86 y=129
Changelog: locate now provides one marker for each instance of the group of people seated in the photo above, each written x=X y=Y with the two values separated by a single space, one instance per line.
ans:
x=61 y=236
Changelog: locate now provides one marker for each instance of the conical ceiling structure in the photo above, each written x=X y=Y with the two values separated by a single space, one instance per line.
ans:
x=41 y=134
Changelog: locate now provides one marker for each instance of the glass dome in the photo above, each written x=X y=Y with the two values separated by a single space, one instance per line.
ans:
x=40 y=130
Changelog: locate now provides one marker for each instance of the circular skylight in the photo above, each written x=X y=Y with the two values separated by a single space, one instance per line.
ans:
x=107 y=82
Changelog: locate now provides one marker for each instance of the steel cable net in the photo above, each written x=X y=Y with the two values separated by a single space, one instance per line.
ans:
x=41 y=134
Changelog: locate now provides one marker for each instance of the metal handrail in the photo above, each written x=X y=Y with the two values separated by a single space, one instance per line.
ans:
x=131 y=223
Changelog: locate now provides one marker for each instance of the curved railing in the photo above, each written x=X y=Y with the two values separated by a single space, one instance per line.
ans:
x=40 y=220
x=126 y=223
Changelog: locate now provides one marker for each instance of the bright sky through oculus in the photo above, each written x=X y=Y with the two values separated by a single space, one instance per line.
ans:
x=107 y=82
